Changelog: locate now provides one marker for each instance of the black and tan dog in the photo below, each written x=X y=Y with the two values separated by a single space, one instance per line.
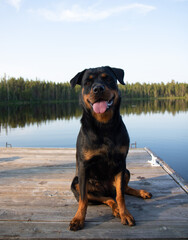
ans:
x=102 y=147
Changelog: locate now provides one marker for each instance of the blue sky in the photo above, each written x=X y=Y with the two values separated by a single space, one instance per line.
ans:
x=53 y=40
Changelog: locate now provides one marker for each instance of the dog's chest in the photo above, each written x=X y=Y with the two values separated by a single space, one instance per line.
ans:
x=105 y=160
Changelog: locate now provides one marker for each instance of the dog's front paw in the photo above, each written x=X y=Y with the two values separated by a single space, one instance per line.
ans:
x=144 y=194
x=115 y=210
x=127 y=219
x=76 y=224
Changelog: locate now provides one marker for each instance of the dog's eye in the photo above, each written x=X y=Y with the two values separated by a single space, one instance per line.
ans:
x=88 y=83
x=89 y=80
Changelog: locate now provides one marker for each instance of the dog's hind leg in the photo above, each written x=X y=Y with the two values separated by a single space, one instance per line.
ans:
x=105 y=200
x=135 y=192
x=94 y=198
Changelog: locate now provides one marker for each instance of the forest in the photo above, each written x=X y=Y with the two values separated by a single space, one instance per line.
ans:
x=15 y=90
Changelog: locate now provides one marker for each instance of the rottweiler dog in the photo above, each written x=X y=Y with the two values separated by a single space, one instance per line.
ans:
x=102 y=146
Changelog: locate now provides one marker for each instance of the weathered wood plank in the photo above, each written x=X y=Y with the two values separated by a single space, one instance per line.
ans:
x=39 y=188
x=36 y=201
x=63 y=211
x=93 y=230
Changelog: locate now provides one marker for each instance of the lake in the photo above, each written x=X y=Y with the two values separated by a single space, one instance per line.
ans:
x=160 y=125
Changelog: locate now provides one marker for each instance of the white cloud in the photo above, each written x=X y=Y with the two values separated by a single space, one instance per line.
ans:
x=14 y=3
x=79 y=14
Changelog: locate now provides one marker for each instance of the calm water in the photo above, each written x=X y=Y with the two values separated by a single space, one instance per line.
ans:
x=161 y=126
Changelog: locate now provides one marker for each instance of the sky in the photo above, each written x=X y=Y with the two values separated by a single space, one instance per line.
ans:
x=54 y=40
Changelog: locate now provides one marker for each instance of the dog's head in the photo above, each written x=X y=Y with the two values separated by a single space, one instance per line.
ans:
x=99 y=94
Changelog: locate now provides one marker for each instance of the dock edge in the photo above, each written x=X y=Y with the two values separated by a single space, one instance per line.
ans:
x=177 y=178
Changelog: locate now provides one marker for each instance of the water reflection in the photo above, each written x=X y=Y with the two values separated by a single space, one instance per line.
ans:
x=56 y=125
x=156 y=106
x=14 y=116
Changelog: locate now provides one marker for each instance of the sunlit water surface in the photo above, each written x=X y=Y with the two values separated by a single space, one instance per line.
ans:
x=164 y=132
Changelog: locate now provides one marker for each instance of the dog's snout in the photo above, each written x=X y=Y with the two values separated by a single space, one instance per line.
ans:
x=99 y=88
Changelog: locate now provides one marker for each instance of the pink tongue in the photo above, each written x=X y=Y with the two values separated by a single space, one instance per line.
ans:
x=100 y=107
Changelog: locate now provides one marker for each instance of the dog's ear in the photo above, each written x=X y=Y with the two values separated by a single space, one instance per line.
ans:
x=77 y=79
x=119 y=73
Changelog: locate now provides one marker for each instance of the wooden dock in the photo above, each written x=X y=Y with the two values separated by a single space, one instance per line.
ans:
x=36 y=201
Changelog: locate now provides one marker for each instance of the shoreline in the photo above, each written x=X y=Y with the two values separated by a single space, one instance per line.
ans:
x=124 y=99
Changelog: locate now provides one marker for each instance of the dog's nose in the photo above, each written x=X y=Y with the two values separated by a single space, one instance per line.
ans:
x=99 y=88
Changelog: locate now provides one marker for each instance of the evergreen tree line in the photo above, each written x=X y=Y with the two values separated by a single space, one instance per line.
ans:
x=155 y=90
x=13 y=90
x=29 y=90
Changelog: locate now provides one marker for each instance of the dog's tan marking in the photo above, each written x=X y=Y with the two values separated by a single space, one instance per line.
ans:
x=77 y=222
x=103 y=150
x=135 y=192
x=103 y=75
x=103 y=117
x=85 y=98
x=116 y=96
x=108 y=94
x=106 y=200
x=121 y=149
x=90 y=153
x=125 y=216
x=107 y=116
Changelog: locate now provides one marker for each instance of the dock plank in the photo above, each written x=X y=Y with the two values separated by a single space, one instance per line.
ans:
x=36 y=201
x=93 y=230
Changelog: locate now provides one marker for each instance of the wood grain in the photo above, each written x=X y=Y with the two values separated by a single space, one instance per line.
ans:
x=36 y=201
